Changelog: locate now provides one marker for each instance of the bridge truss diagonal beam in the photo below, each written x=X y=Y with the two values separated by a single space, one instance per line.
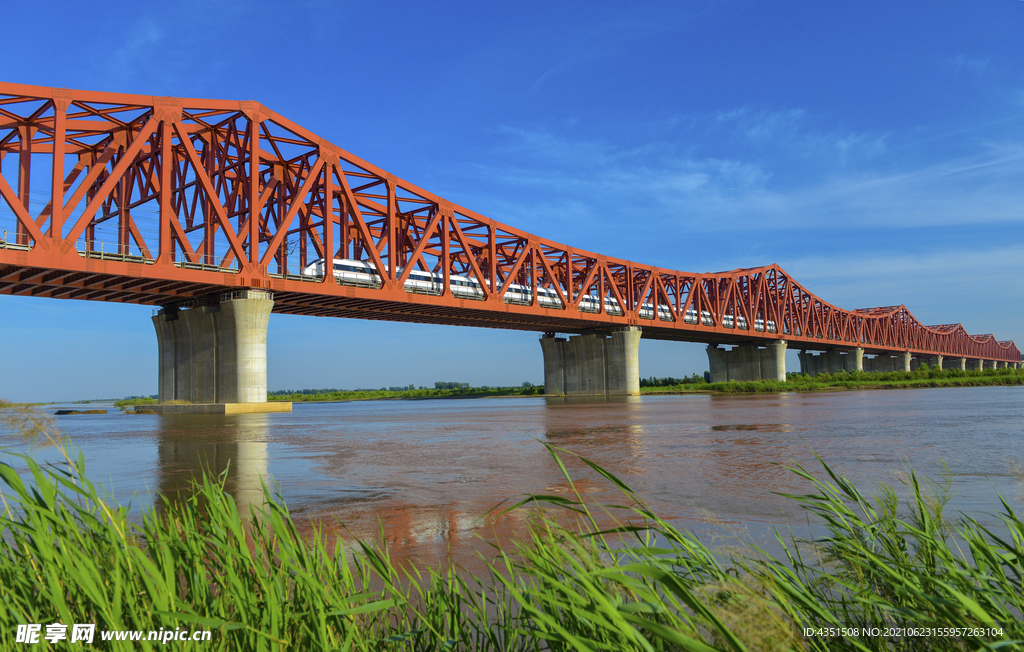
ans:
x=155 y=200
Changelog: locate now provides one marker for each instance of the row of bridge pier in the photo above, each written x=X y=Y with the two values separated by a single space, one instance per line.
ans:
x=609 y=364
x=213 y=353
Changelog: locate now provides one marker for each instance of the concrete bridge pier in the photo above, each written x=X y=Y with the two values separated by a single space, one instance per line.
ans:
x=748 y=362
x=831 y=361
x=955 y=363
x=933 y=362
x=213 y=355
x=880 y=364
x=596 y=364
x=889 y=362
x=904 y=360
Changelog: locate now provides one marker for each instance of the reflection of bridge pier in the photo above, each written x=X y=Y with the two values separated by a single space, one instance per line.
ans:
x=238 y=446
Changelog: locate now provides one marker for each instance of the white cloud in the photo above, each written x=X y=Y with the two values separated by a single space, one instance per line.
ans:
x=760 y=125
x=967 y=64
x=979 y=287
x=854 y=178
x=140 y=43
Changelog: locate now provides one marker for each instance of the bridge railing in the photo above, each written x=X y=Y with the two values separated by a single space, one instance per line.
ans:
x=7 y=243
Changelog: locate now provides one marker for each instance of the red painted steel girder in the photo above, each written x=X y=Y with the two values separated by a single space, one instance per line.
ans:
x=162 y=200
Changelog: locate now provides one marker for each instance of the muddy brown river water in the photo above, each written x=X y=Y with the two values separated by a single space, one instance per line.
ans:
x=426 y=471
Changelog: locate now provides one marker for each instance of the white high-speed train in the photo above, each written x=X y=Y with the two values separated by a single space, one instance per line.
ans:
x=741 y=323
x=357 y=272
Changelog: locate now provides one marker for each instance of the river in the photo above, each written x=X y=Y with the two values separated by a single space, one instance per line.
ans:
x=426 y=471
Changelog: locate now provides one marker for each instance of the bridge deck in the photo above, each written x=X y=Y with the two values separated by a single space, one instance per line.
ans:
x=165 y=200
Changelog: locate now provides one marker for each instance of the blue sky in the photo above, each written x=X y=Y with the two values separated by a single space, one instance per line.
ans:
x=875 y=150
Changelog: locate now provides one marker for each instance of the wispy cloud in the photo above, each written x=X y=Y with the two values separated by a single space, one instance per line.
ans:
x=139 y=45
x=593 y=40
x=940 y=286
x=968 y=65
x=853 y=178
x=762 y=125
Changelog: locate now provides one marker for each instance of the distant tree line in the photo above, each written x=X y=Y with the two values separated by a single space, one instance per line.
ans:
x=439 y=385
x=672 y=382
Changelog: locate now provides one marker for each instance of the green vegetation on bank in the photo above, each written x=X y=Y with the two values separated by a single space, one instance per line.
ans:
x=4 y=403
x=797 y=382
x=441 y=390
x=135 y=400
x=695 y=379
x=695 y=384
x=70 y=554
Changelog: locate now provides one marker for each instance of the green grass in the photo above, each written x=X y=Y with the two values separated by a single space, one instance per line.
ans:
x=71 y=553
x=796 y=382
x=4 y=403
x=135 y=401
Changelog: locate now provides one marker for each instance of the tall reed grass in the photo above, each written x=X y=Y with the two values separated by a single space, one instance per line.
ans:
x=70 y=553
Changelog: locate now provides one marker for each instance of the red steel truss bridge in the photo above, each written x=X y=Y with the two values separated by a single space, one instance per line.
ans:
x=163 y=201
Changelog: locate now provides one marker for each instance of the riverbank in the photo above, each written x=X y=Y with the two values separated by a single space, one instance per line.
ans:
x=250 y=580
x=9 y=404
x=920 y=378
x=374 y=395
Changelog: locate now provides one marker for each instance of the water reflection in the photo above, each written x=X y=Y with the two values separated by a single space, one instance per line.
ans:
x=426 y=471
x=235 y=445
x=756 y=427
x=606 y=430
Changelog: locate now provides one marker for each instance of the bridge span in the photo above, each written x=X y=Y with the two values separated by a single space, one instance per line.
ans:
x=218 y=212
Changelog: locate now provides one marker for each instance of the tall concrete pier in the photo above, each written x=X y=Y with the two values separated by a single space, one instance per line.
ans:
x=596 y=364
x=954 y=363
x=748 y=362
x=831 y=361
x=215 y=351
x=889 y=362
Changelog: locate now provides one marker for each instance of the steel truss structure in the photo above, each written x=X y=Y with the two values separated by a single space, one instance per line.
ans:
x=154 y=200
